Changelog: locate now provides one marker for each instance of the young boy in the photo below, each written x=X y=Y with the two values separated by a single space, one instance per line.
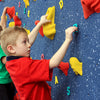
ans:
x=6 y=87
x=30 y=76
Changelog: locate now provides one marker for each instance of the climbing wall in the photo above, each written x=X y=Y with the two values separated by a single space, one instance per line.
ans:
x=85 y=46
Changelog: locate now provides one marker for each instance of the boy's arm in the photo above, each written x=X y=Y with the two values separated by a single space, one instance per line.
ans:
x=3 y=18
x=32 y=36
x=59 y=55
x=3 y=60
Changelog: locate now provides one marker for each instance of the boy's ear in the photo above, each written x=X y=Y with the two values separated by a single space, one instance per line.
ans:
x=10 y=49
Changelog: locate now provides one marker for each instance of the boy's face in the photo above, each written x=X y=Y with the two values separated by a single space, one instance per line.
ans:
x=22 y=47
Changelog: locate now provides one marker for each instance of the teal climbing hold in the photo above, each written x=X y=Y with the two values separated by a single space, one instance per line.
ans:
x=24 y=10
x=68 y=90
x=75 y=26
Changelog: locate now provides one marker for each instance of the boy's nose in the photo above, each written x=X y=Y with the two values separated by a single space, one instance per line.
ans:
x=29 y=45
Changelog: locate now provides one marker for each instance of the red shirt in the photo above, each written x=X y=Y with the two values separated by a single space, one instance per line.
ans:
x=29 y=77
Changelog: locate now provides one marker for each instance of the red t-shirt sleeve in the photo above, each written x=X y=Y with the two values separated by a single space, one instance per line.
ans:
x=37 y=70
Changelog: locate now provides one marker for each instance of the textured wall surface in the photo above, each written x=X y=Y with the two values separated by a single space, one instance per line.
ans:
x=85 y=46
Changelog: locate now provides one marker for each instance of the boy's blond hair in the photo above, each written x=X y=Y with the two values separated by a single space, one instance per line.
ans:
x=9 y=36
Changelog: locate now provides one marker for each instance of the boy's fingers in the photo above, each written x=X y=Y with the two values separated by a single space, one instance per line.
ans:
x=75 y=28
x=71 y=29
x=48 y=20
x=46 y=15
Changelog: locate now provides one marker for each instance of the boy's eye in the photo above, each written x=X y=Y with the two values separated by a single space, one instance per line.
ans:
x=24 y=41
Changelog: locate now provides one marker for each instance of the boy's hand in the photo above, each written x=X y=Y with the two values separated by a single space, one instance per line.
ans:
x=44 y=20
x=69 y=31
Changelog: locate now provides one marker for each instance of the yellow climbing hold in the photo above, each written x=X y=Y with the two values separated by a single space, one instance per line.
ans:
x=61 y=4
x=16 y=13
x=6 y=17
x=11 y=24
x=30 y=57
x=28 y=14
x=49 y=29
x=28 y=31
x=26 y=3
x=76 y=65
x=56 y=80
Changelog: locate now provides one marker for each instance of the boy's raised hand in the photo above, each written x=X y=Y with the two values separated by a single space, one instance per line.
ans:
x=32 y=36
x=3 y=18
x=44 y=20
x=69 y=31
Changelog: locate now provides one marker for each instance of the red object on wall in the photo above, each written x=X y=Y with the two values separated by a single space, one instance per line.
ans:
x=64 y=66
x=11 y=13
x=41 y=28
x=90 y=7
x=17 y=21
